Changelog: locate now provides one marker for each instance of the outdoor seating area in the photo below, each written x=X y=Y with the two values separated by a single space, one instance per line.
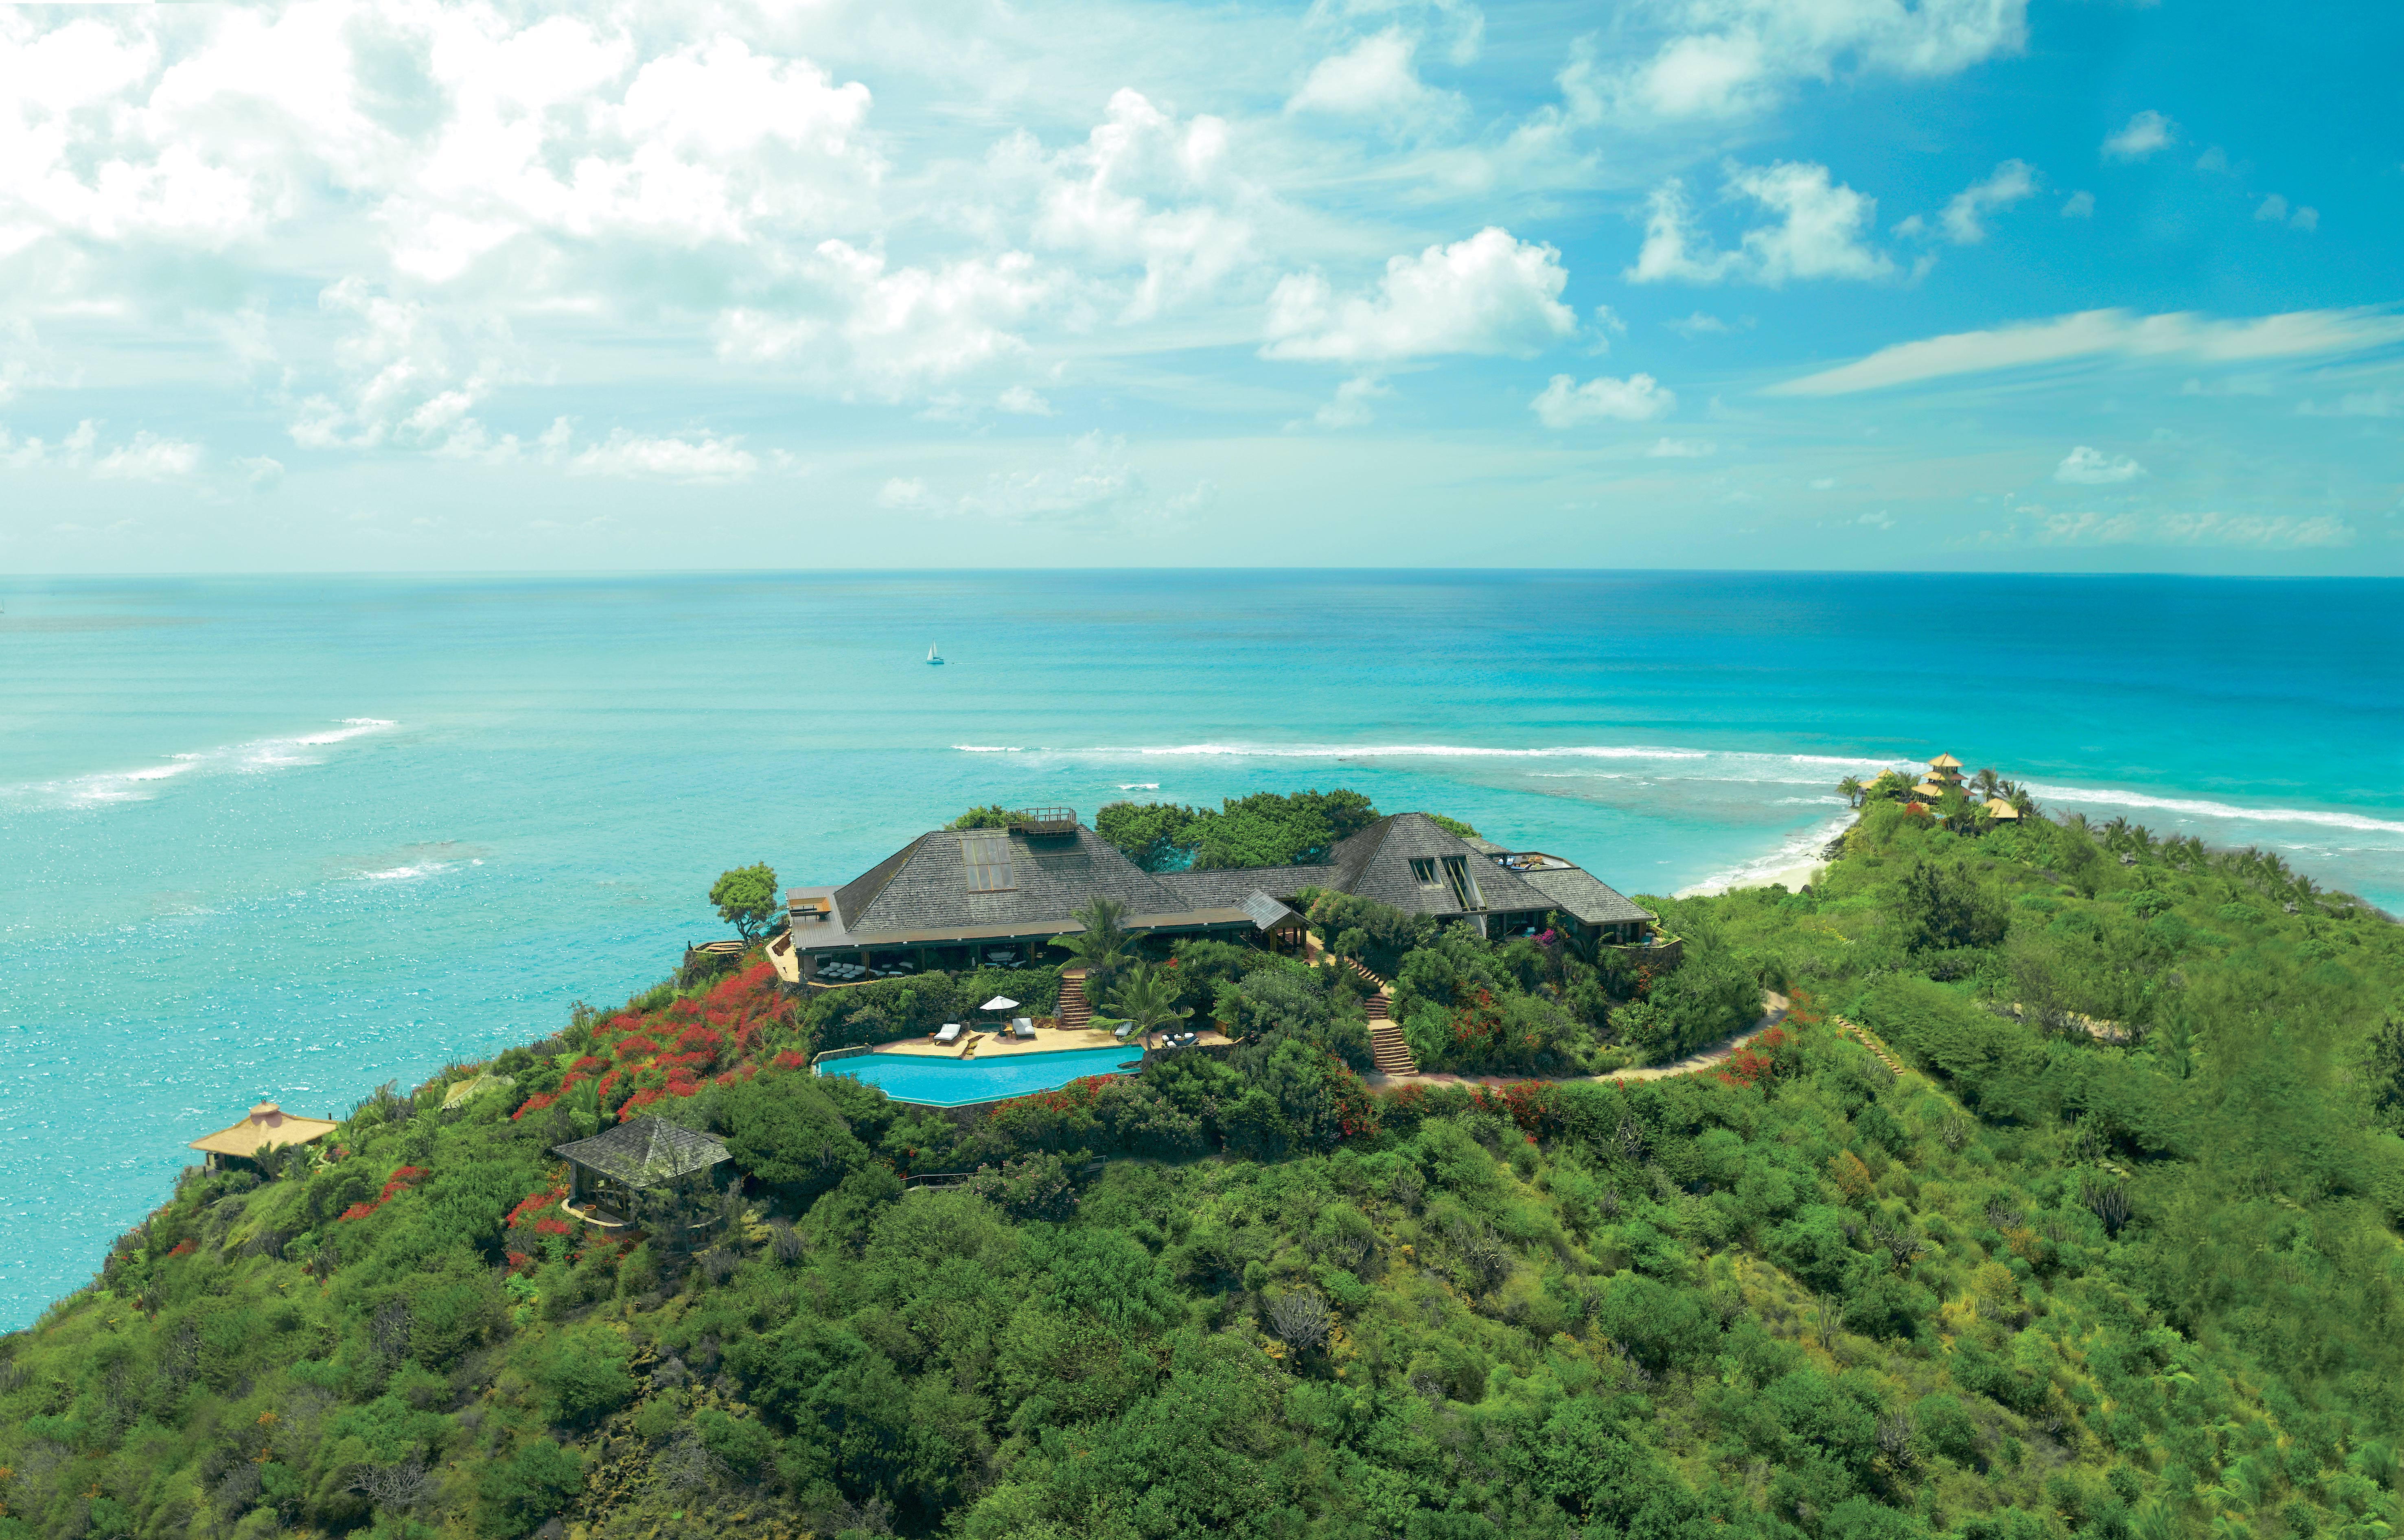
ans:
x=845 y=973
x=1005 y=957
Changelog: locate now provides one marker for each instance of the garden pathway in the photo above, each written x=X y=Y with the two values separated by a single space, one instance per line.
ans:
x=1774 y=1007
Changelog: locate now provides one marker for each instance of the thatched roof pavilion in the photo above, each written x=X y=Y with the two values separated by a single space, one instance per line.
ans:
x=268 y=1126
x=1996 y=807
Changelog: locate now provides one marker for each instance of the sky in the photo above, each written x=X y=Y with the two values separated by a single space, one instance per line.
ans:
x=1989 y=284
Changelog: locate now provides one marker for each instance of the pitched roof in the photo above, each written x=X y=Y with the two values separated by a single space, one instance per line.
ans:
x=1267 y=912
x=1579 y=893
x=1229 y=887
x=1945 y=761
x=925 y=885
x=1375 y=863
x=646 y=1152
x=267 y=1125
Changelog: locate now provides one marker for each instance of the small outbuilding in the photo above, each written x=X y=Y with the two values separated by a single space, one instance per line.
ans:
x=268 y=1128
x=1996 y=807
x=621 y=1170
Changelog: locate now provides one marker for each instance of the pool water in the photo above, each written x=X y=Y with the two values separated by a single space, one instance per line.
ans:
x=961 y=1081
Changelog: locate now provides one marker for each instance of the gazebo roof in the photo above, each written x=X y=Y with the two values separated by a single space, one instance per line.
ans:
x=1931 y=788
x=646 y=1152
x=1945 y=761
x=267 y=1125
x=1998 y=807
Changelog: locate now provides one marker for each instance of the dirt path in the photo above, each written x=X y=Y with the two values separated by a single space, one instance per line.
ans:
x=1774 y=1008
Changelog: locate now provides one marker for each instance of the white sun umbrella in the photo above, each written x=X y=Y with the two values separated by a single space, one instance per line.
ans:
x=999 y=1002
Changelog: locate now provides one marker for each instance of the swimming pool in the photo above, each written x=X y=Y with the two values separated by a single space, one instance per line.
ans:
x=958 y=1082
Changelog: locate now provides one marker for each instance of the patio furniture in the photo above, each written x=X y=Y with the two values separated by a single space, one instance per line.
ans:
x=1023 y=1030
x=1125 y=1028
x=951 y=1032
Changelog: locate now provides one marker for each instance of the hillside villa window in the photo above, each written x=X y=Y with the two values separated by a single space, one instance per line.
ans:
x=1423 y=868
x=1464 y=883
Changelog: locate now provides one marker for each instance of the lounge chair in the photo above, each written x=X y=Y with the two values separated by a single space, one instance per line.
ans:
x=951 y=1032
x=1023 y=1030
x=1125 y=1028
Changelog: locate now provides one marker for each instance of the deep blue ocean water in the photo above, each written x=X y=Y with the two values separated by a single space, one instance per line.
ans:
x=292 y=837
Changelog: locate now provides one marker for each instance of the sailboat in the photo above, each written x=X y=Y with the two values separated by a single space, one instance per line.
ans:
x=932 y=656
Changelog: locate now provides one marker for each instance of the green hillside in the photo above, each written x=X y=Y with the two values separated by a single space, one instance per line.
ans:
x=2115 y=1253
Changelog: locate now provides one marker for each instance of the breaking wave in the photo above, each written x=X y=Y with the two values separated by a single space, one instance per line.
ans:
x=102 y=788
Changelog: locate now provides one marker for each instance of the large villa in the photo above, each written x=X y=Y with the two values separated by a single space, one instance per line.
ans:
x=964 y=898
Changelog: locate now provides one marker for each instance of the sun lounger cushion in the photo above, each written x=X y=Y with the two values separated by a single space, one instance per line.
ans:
x=1022 y=1027
x=951 y=1032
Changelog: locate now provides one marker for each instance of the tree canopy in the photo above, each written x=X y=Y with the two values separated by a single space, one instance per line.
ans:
x=746 y=898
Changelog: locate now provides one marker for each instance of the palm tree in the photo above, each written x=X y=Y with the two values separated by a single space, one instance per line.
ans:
x=1148 y=998
x=1985 y=781
x=1101 y=946
x=1851 y=789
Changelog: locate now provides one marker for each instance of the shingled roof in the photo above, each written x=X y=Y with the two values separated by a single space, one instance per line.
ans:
x=646 y=1152
x=1577 y=891
x=1375 y=863
x=924 y=886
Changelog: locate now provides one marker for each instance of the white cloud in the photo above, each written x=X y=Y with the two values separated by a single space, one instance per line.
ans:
x=2081 y=206
x=2114 y=333
x=2252 y=531
x=1146 y=191
x=2214 y=160
x=144 y=457
x=2085 y=466
x=149 y=458
x=886 y=333
x=264 y=471
x=899 y=492
x=2306 y=219
x=1374 y=78
x=1488 y=294
x=1699 y=325
x=2360 y=403
x=2143 y=134
x=2255 y=529
x=1023 y=401
x=1349 y=407
x=705 y=459
x=1823 y=483
x=1818 y=233
x=1730 y=57
x=1565 y=403
x=2272 y=207
x=1682 y=449
x=1964 y=220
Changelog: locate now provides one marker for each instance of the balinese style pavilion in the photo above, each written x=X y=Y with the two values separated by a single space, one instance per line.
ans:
x=612 y=1173
x=1996 y=807
x=268 y=1128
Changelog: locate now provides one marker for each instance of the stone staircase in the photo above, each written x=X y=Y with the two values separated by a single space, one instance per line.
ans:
x=1879 y=1051
x=1075 y=1012
x=1386 y=1045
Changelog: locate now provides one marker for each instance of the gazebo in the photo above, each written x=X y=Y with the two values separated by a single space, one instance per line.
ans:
x=619 y=1170
x=268 y=1126
x=1944 y=770
x=1996 y=807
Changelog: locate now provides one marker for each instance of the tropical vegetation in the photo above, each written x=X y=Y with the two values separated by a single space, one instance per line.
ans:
x=2064 y=1202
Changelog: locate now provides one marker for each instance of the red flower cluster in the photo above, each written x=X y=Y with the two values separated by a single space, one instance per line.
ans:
x=402 y=1181
x=183 y=1247
x=638 y=1059
x=1075 y=1096
x=534 y=1207
x=1756 y=1062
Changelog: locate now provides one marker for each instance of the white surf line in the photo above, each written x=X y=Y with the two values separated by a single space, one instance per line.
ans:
x=106 y=787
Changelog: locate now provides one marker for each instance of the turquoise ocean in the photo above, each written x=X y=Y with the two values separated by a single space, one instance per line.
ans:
x=293 y=837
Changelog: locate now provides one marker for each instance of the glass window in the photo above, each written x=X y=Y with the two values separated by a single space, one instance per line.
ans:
x=987 y=855
x=1423 y=868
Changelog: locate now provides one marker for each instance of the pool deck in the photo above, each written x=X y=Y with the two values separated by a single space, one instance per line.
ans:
x=1048 y=1040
